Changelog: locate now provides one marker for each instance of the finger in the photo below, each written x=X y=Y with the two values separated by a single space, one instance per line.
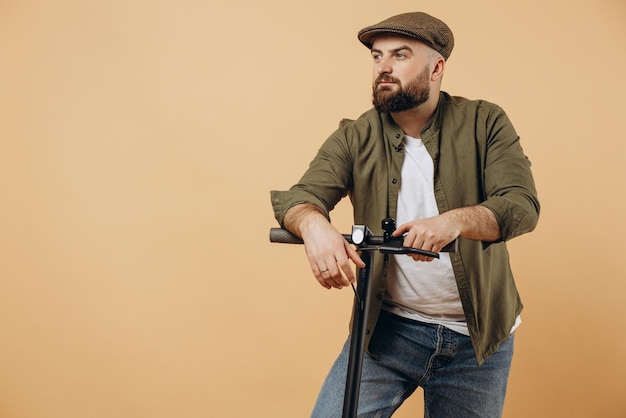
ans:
x=338 y=278
x=318 y=272
x=401 y=230
x=413 y=241
x=424 y=258
x=323 y=283
x=347 y=270
x=331 y=281
x=354 y=256
x=331 y=275
x=324 y=277
x=344 y=275
x=345 y=265
x=419 y=243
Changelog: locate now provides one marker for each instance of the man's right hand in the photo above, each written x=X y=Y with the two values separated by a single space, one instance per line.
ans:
x=328 y=251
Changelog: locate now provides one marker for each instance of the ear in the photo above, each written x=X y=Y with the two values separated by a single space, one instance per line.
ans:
x=439 y=66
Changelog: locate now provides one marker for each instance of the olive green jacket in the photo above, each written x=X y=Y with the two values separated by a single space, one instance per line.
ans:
x=477 y=159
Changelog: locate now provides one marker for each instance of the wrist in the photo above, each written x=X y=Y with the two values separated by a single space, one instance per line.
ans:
x=301 y=218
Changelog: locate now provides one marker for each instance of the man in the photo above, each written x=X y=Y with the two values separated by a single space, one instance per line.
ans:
x=445 y=168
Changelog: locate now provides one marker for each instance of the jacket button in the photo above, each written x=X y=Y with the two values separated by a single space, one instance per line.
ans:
x=398 y=136
x=394 y=181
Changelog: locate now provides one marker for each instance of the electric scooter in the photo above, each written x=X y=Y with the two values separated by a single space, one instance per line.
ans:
x=366 y=244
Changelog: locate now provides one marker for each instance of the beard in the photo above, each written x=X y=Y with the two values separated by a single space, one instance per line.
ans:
x=407 y=97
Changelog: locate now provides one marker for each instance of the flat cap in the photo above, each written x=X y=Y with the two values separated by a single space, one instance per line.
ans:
x=421 y=26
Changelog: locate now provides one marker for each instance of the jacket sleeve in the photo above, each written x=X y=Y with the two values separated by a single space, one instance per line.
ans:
x=325 y=182
x=509 y=186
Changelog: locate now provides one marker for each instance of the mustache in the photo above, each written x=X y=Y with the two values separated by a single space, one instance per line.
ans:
x=385 y=78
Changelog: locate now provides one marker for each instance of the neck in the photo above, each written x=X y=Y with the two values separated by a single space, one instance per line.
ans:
x=413 y=121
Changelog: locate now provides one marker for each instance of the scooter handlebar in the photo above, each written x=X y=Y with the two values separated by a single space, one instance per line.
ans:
x=281 y=235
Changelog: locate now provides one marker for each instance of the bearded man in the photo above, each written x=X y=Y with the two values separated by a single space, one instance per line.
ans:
x=445 y=168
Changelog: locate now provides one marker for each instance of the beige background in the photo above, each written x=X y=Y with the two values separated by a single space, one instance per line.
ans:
x=138 y=144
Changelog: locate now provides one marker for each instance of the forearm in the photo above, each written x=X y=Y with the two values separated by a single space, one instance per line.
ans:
x=301 y=216
x=474 y=222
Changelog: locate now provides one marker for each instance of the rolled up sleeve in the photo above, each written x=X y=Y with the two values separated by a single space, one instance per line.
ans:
x=508 y=180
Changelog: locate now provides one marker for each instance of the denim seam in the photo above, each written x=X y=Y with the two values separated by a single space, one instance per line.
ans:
x=432 y=358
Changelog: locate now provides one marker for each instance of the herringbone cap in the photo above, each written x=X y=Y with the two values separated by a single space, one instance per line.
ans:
x=421 y=26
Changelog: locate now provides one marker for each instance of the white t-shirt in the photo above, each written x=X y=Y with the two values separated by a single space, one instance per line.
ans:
x=422 y=291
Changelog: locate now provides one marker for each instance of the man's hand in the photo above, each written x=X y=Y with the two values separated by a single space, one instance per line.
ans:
x=432 y=234
x=328 y=251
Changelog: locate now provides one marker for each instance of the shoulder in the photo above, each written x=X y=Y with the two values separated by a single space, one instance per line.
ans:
x=365 y=121
x=359 y=130
x=463 y=104
x=459 y=112
x=366 y=134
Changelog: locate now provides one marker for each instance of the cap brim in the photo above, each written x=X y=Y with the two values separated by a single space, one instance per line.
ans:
x=367 y=37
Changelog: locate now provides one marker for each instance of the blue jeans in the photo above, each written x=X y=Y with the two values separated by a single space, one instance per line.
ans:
x=411 y=354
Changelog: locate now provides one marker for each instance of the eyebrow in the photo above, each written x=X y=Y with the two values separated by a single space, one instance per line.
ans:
x=395 y=50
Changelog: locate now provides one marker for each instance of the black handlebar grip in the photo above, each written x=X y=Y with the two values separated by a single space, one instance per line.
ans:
x=283 y=236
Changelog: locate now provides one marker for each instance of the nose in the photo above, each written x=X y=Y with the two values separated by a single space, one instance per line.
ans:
x=383 y=66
